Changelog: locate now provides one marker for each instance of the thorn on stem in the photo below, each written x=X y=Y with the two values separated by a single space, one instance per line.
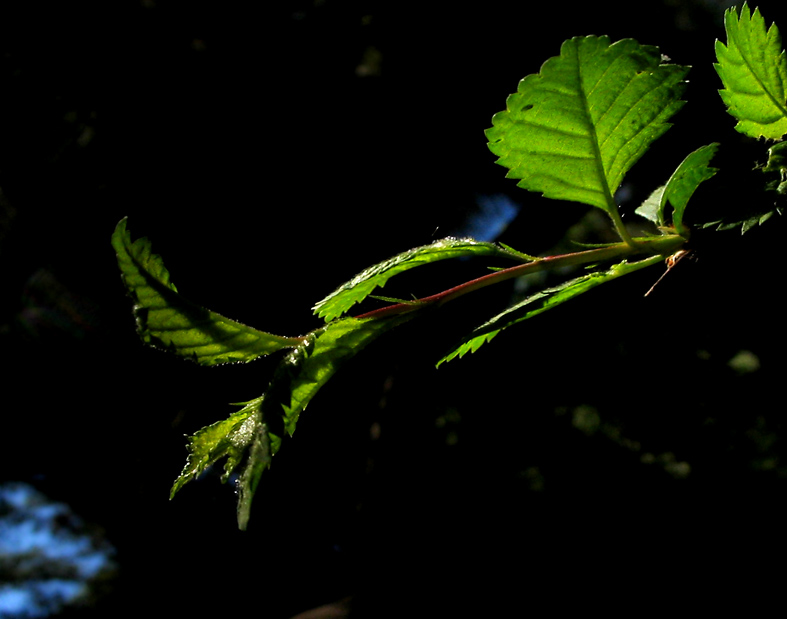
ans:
x=671 y=262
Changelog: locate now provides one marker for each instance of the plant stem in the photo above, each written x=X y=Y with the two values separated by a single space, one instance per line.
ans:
x=662 y=245
x=620 y=227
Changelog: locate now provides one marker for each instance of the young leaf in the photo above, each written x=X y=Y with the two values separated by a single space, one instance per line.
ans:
x=226 y=438
x=574 y=130
x=167 y=320
x=753 y=68
x=777 y=159
x=242 y=432
x=684 y=181
x=755 y=215
x=651 y=208
x=363 y=284
x=542 y=301
x=692 y=171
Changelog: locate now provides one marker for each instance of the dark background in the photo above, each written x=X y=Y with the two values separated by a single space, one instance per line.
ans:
x=607 y=452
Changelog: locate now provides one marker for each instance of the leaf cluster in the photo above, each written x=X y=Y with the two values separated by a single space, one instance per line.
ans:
x=570 y=132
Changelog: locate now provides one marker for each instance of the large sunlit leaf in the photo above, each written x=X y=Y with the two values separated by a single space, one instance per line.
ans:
x=166 y=320
x=542 y=301
x=753 y=68
x=573 y=130
x=363 y=284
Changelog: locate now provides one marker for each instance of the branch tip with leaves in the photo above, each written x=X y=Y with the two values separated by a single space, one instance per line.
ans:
x=570 y=132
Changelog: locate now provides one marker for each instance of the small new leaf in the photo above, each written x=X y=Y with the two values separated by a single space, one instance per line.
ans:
x=226 y=438
x=692 y=172
x=752 y=217
x=753 y=68
x=242 y=437
x=573 y=130
x=680 y=187
x=777 y=159
x=166 y=320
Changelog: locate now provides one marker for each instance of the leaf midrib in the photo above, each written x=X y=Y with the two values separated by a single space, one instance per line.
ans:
x=599 y=164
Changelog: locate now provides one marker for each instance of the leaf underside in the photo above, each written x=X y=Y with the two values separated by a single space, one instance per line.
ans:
x=753 y=68
x=573 y=130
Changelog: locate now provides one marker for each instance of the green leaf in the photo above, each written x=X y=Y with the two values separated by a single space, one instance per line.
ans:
x=307 y=368
x=692 y=171
x=363 y=284
x=242 y=432
x=541 y=302
x=651 y=208
x=754 y=215
x=574 y=130
x=685 y=180
x=777 y=159
x=753 y=68
x=246 y=439
x=227 y=438
x=166 y=320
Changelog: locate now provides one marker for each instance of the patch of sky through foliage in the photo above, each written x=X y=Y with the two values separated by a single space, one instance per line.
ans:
x=490 y=220
x=48 y=559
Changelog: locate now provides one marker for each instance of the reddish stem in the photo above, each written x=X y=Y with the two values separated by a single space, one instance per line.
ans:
x=652 y=245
